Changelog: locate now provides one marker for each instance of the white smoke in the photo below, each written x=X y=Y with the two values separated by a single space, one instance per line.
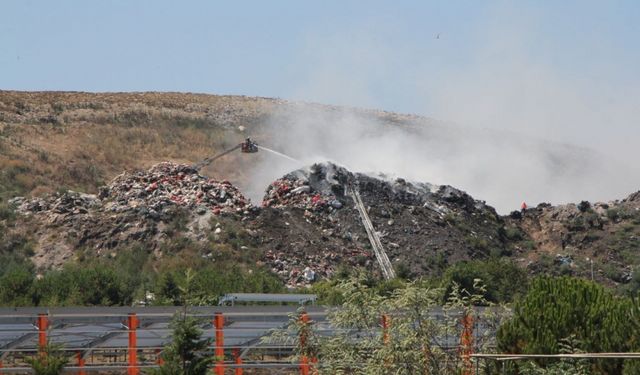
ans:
x=524 y=130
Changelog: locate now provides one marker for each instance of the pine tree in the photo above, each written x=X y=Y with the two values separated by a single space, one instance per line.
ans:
x=555 y=309
x=187 y=352
x=50 y=360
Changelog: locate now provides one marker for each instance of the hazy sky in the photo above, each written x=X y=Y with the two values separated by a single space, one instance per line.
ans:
x=565 y=71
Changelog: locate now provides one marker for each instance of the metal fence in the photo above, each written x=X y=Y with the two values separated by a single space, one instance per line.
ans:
x=128 y=340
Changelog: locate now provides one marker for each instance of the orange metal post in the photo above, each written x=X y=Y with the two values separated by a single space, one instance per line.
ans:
x=386 y=321
x=236 y=355
x=132 y=323
x=159 y=360
x=304 y=365
x=466 y=344
x=43 y=325
x=304 y=360
x=218 y=322
x=80 y=364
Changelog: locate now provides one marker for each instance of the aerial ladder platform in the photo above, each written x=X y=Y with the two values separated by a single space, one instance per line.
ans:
x=378 y=249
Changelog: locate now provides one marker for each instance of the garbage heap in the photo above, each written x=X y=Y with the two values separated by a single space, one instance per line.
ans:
x=316 y=194
x=315 y=217
x=135 y=206
x=298 y=272
x=168 y=184
x=320 y=187
x=69 y=202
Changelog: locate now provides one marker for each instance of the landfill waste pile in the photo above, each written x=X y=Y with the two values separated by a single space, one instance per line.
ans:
x=168 y=184
x=322 y=187
x=299 y=271
x=308 y=227
x=411 y=219
x=135 y=206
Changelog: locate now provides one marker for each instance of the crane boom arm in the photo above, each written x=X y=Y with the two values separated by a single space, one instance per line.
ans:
x=203 y=163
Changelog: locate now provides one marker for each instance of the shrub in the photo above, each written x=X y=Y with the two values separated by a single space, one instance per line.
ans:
x=577 y=224
x=49 y=361
x=584 y=206
x=504 y=279
x=514 y=234
x=613 y=214
x=410 y=342
x=96 y=284
x=6 y=212
x=16 y=286
x=477 y=243
x=212 y=281
x=403 y=270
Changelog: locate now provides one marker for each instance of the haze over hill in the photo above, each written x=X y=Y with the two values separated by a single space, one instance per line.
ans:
x=83 y=140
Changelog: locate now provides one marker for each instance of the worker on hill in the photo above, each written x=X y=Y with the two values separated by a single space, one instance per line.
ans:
x=523 y=207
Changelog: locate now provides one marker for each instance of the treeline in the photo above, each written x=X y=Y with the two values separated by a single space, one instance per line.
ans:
x=502 y=281
x=131 y=277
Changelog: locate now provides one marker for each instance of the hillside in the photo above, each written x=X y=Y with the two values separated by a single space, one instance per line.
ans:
x=54 y=142
x=58 y=140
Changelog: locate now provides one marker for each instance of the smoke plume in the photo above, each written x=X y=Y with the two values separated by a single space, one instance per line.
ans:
x=511 y=125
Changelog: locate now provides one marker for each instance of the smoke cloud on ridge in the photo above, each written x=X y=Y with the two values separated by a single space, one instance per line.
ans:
x=517 y=128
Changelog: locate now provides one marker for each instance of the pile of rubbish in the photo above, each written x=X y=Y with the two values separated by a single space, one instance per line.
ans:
x=297 y=193
x=302 y=271
x=135 y=206
x=168 y=184
x=149 y=193
x=69 y=202
x=309 y=227
x=320 y=187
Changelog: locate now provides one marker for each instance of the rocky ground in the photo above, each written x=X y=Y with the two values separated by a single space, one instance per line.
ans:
x=579 y=238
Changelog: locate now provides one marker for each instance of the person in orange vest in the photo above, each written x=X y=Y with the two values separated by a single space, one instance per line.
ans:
x=523 y=207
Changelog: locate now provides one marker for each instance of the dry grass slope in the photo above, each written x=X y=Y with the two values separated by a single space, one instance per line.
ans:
x=51 y=140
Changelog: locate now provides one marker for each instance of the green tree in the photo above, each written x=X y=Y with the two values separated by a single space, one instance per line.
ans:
x=49 y=361
x=16 y=286
x=571 y=366
x=187 y=352
x=555 y=309
x=96 y=284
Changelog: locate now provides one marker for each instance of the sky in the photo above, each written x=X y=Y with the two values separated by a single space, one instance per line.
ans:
x=563 y=71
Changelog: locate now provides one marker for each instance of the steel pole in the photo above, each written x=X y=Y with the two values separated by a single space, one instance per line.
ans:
x=132 y=323
x=218 y=322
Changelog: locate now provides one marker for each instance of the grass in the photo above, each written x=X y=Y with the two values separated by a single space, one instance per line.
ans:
x=97 y=136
